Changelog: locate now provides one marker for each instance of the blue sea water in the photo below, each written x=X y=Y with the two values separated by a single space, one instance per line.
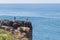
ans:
x=43 y=28
x=45 y=18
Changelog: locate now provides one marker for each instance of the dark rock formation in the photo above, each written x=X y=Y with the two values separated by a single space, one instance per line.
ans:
x=15 y=24
x=18 y=24
x=7 y=24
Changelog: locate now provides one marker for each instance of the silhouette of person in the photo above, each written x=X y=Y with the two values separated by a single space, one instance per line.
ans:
x=14 y=18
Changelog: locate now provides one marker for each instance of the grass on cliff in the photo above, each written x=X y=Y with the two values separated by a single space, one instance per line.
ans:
x=4 y=35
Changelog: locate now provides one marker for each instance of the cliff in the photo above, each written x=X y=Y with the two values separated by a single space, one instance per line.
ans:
x=23 y=29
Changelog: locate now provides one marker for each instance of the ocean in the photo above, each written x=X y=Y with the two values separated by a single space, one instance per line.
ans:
x=45 y=18
x=43 y=28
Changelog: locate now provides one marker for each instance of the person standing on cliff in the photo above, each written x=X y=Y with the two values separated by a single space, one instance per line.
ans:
x=14 y=18
x=26 y=19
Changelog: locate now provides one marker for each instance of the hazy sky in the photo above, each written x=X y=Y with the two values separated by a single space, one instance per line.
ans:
x=29 y=1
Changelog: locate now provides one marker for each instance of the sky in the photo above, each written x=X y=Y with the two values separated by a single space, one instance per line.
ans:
x=29 y=1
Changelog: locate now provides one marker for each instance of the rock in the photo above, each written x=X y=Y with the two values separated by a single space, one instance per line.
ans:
x=24 y=38
x=21 y=30
x=6 y=22
x=25 y=29
x=18 y=24
x=6 y=28
x=15 y=24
